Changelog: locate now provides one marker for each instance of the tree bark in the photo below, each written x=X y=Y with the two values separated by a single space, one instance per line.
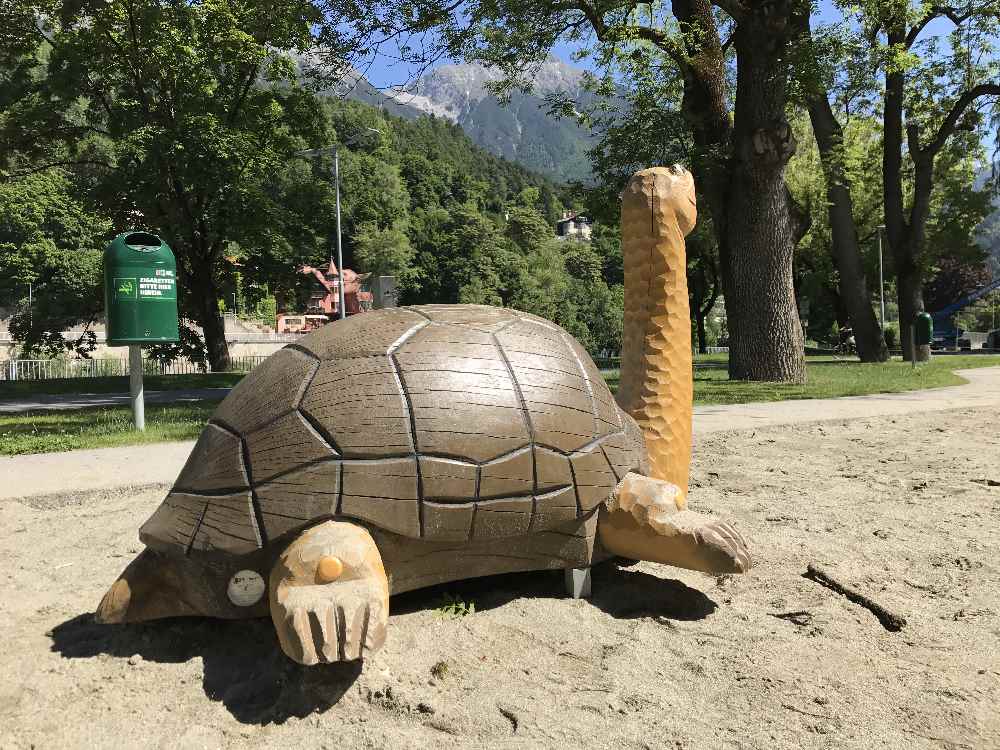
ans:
x=214 y=327
x=205 y=302
x=702 y=334
x=908 y=279
x=763 y=224
x=740 y=169
x=703 y=289
x=846 y=252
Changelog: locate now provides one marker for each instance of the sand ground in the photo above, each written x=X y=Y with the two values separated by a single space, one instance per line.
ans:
x=906 y=509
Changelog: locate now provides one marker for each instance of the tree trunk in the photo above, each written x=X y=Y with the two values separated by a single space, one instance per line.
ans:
x=702 y=292
x=739 y=167
x=214 y=326
x=205 y=302
x=909 y=295
x=702 y=334
x=853 y=285
x=911 y=302
x=763 y=224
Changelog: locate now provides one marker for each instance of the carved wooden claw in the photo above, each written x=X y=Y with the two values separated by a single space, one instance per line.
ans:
x=329 y=595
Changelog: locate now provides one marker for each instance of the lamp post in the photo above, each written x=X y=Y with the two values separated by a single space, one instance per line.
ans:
x=881 y=283
x=334 y=148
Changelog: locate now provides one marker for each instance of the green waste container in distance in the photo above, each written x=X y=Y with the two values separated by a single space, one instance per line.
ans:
x=140 y=290
x=923 y=326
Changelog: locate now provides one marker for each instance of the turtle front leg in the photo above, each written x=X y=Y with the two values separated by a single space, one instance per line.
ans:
x=329 y=595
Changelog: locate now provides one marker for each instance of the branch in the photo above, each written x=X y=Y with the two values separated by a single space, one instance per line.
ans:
x=913 y=140
x=890 y=621
x=54 y=164
x=647 y=34
x=733 y=8
x=937 y=11
x=242 y=95
x=957 y=110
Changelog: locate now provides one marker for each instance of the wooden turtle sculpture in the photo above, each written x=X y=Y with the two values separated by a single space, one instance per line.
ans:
x=399 y=449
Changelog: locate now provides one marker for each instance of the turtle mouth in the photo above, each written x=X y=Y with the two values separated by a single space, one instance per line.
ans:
x=145 y=590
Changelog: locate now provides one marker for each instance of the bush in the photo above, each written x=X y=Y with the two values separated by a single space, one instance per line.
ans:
x=891 y=334
x=267 y=310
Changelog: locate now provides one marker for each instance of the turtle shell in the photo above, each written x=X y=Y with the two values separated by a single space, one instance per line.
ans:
x=441 y=422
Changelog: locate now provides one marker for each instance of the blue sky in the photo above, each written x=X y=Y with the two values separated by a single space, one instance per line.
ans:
x=386 y=72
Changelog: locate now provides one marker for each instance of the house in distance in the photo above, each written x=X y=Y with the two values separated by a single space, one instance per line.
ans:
x=573 y=226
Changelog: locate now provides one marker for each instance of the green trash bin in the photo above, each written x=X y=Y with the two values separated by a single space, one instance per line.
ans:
x=140 y=290
x=923 y=329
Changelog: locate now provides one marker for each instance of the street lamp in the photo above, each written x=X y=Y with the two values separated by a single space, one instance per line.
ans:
x=881 y=283
x=334 y=148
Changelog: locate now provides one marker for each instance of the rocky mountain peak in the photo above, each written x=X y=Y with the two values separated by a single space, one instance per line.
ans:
x=452 y=90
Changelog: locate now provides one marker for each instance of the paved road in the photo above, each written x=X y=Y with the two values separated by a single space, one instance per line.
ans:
x=107 y=468
x=53 y=402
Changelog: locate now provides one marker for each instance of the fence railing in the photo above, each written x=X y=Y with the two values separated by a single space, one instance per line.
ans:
x=49 y=369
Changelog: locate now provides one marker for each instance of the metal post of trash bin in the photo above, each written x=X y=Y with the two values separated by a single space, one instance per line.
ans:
x=135 y=390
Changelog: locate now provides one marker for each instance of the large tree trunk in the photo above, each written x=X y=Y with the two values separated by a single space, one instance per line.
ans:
x=213 y=324
x=906 y=238
x=852 y=285
x=910 y=286
x=740 y=168
x=909 y=294
x=763 y=224
x=205 y=303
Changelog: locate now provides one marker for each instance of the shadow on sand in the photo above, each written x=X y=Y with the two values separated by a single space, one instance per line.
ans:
x=245 y=669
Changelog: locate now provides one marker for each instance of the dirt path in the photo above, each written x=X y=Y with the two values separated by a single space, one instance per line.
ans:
x=906 y=509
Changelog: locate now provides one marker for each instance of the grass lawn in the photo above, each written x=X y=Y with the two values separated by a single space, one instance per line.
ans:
x=42 y=432
x=828 y=378
x=105 y=427
x=13 y=388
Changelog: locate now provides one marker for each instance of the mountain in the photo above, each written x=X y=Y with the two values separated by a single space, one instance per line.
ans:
x=521 y=130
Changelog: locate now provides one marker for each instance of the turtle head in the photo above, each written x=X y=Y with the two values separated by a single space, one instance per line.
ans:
x=647 y=519
x=158 y=584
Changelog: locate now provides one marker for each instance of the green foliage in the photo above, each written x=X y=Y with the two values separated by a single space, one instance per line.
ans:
x=527 y=228
x=50 y=240
x=950 y=253
x=266 y=310
x=181 y=113
x=190 y=347
x=891 y=333
x=385 y=252
x=453 y=606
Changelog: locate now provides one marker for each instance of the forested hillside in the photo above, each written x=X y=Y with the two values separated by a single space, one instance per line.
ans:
x=457 y=224
x=420 y=201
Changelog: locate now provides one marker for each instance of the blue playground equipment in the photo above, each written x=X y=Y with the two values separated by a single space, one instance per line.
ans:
x=945 y=331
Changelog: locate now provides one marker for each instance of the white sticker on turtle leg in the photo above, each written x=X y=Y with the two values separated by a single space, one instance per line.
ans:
x=246 y=588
